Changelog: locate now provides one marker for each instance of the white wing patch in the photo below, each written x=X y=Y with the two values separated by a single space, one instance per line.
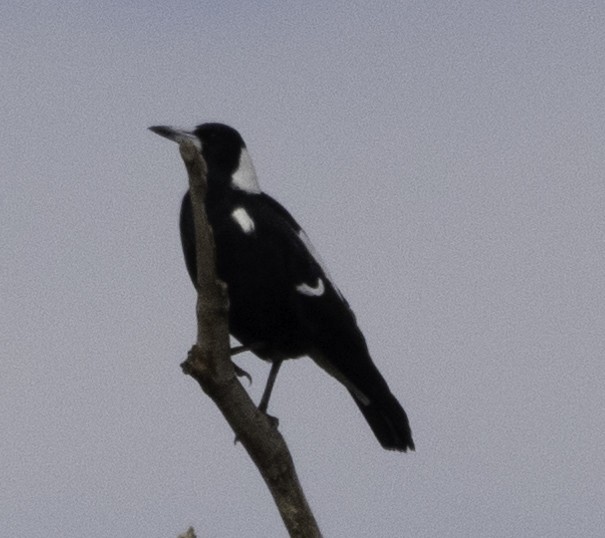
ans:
x=244 y=178
x=241 y=217
x=307 y=242
x=312 y=291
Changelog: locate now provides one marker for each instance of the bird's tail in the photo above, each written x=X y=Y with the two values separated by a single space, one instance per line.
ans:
x=370 y=391
x=388 y=421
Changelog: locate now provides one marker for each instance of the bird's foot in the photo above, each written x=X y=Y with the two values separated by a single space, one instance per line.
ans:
x=273 y=421
x=262 y=408
x=240 y=372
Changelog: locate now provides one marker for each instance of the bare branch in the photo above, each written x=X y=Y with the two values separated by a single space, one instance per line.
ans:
x=189 y=533
x=209 y=363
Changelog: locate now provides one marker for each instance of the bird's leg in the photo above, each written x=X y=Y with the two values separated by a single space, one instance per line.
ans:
x=236 y=350
x=257 y=346
x=264 y=401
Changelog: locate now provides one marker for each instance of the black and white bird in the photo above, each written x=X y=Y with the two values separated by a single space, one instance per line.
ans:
x=282 y=302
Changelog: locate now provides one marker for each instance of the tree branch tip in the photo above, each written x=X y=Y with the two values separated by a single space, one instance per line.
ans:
x=186 y=367
x=189 y=533
x=193 y=361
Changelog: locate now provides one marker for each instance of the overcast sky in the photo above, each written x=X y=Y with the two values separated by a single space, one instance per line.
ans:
x=446 y=158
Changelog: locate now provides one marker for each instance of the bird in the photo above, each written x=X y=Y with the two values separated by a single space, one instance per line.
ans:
x=283 y=303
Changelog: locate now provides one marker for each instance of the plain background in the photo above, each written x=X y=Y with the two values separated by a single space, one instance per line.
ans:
x=446 y=158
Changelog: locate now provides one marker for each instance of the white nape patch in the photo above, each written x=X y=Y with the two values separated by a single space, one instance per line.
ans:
x=312 y=291
x=241 y=216
x=244 y=178
x=307 y=242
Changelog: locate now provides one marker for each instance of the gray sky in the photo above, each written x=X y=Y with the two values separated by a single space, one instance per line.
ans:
x=446 y=159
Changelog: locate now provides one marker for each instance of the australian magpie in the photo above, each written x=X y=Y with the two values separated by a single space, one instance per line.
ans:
x=283 y=303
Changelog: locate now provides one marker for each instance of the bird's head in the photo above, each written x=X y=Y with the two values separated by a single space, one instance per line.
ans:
x=224 y=151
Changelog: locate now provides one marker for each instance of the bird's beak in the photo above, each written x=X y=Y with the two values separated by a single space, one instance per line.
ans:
x=176 y=135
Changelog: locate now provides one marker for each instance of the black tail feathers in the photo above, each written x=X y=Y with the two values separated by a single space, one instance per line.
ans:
x=388 y=421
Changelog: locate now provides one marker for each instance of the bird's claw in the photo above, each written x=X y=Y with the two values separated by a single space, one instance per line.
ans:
x=240 y=372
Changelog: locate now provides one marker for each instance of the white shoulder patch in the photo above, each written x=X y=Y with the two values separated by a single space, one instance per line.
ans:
x=312 y=291
x=241 y=217
x=244 y=178
x=307 y=242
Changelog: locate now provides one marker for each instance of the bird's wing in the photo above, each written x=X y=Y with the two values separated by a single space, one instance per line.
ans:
x=303 y=264
x=321 y=308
